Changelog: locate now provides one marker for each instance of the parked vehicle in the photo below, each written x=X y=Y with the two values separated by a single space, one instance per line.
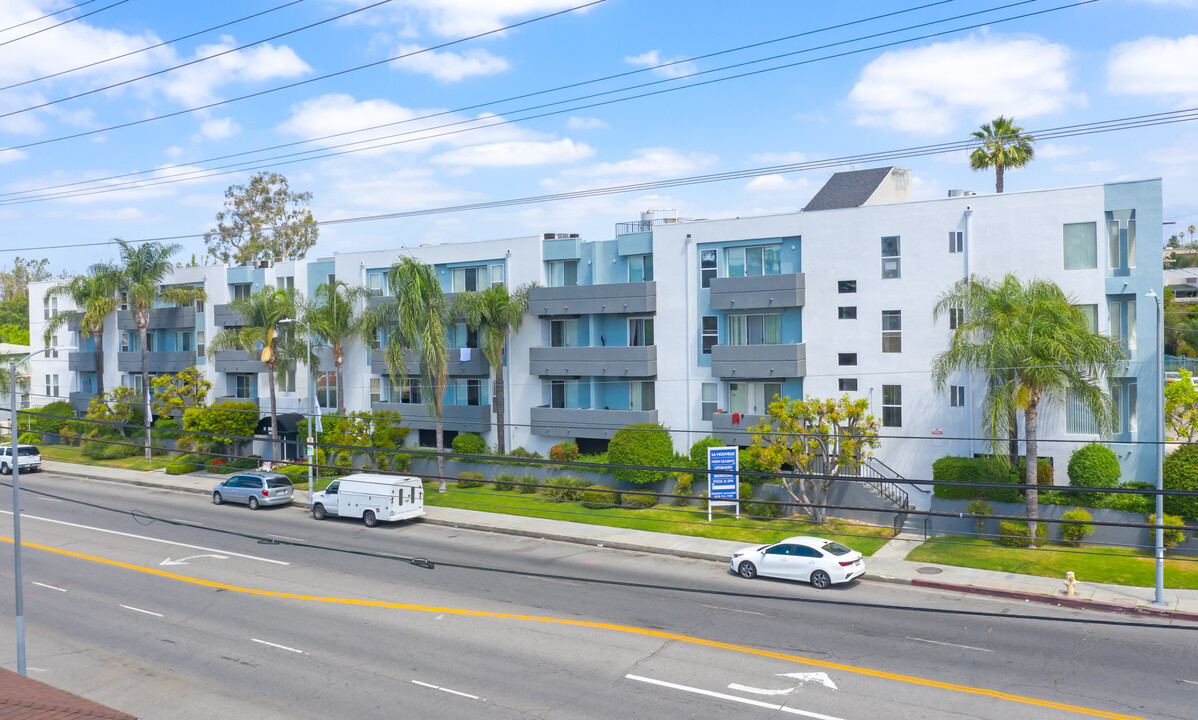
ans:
x=29 y=458
x=254 y=489
x=374 y=498
x=820 y=561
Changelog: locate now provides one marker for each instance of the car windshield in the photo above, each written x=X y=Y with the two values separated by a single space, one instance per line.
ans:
x=836 y=548
x=28 y=451
x=278 y=482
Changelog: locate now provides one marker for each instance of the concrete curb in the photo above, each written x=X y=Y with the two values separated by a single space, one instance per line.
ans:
x=1071 y=602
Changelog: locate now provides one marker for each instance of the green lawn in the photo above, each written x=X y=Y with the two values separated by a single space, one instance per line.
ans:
x=63 y=453
x=1117 y=566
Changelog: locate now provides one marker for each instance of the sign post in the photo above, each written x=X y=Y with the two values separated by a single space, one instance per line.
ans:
x=723 y=484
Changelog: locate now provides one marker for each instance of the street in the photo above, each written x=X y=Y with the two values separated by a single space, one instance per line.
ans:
x=175 y=608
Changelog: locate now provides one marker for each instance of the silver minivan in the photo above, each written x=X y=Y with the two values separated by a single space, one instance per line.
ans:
x=254 y=489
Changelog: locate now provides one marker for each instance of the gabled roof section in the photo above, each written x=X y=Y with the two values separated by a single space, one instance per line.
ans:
x=849 y=189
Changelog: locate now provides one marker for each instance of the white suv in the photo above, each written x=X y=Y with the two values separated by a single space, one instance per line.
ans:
x=28 y=458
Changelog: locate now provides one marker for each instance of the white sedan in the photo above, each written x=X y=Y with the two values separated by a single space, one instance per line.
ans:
x=819 y=561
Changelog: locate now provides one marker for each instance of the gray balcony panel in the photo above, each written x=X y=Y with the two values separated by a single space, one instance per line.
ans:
x=610 y=299
x=81 y=401
x=585 y=423
x=734 y=433
x=82 y=361
x=761 y=292
x=238 y=361
x=257 y=402
x=476 y=366
x=160 y=318
x=613 y=362
x=159 y=362
x=460 y=418
x=222 y=316
x=762 y=362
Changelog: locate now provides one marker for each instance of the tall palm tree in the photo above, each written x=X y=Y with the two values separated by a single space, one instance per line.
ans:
x=142 y=270
x=494 y=313
x=417 y=316
x=1003 y=145
x=94 y=296
x=1038 y=348
x=265 y=334
x=334 y=316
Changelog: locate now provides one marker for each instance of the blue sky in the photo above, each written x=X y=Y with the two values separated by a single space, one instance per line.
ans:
x=1097 y=61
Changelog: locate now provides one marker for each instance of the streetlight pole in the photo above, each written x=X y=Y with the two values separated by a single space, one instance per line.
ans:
x=1159 y=381
x=310 y=445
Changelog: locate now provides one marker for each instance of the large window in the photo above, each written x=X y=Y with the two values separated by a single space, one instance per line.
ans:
x=752 y=398
x=563 y=273
x=468 y=391
x=754 y=261
x=563 y=393
x=240 y=290
x=326 y=389
x=640 y=332
x=891 y=258
x=1078 y=418
x=892 y=406
x=892 y=331
x=563 y=333
x=642 y=396
x=1081 y=246
x=711 y=332
x=640 y=268
x=244 y=386
x=754 y=329
x=469 y=279
x=708 y=266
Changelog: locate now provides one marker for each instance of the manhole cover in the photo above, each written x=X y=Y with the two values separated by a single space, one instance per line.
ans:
x=929 y=570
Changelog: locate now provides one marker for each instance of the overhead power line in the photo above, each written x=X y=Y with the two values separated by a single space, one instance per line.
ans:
x=64 y=22
x=47 y=15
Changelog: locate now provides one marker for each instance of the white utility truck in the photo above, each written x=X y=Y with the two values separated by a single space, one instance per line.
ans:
x=374 y=498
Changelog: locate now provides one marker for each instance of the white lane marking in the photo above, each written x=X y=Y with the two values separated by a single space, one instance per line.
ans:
x=948 y=644
x=1188 y=682
x=284 y=537
x=48 y=499
x=733 y=698
x=183 y=561
x=281 y=647
x=186 y=522
x=49 y=586
x=33 y=669
x=760 y=691
x=811 y=677
x=746 y=612
x=147 y=612
x=25 y=516
x=443 y=689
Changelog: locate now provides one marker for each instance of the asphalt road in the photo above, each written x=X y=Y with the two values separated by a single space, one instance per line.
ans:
x=512 y=627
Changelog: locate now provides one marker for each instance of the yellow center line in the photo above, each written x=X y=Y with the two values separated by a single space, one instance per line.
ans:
x=600 y=626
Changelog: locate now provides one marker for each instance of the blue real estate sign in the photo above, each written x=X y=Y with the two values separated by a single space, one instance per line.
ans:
x=723 y=462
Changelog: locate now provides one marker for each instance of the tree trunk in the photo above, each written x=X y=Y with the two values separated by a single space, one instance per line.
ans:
x=99 y=361
x=440 y=454
x=1013 y=443
x=998 y=177
x=276 y=451
x=499 y=417
x=142 y=321
x=1033 y=496
x=340 y=387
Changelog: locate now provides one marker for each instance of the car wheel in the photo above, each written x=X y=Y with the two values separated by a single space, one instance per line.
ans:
x=217 y=499
x=6 y=469
x=253 y=503
x=318 y=511
x=820 y=579
x=747 y=570
x=369 y=518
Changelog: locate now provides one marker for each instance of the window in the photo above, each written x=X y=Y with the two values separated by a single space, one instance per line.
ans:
x=1090 y=313
x=124 y=300
x=375 y=282
x=563 y=393
x=286 y=282
x=754 y=261
x=563 y=333
x=183 y=341
x=49 y=307
x=244 y=386
x=752 y=398
x=467 y=279
x=54 y=344
x=1081 y=246
x=239 y=290
x=710 y=401
x=956 y=241
x=640 y=268
x=285 y=377
x=956 y=318
x=892 y=331
x=199 y=343
x=52 y=385
x=332 y=278
x=467 y=391
x=326 y=389
x=376 y=390
x=563 y=273
x=461 y=335
x=846 y=359
x=496 y=275
x=642 y=397
x=640 y=332
x=754 y=329
x=376 y=339
x=956 y=395
x=131 y=341
x=711 y=332
x=891 y=259
x=847 y=312
x=407 y=391
x=1078 y=419
x=1123 y=322
x=708 y=266
x=845 y=287
x=1131 y=243
x=892 y=406
x=847 y=384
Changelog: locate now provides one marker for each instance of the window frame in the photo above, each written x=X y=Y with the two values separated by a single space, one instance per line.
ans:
x=892 y=331
x=892 y=406
x=846 y=312
x=846 y=287
x=892 y=258
x=846 y=359
x=846 y=384
x=713 y=334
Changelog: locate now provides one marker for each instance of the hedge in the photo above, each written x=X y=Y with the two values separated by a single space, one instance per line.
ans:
x=564 y=451
x=600 y=497
x=638 y=501
x=186 y=463
x=470 y=479
x=29 y=438
x=1075 y=534
x=469 y=444
x=60 y=413
x=1094 y=465
x=979 y=470
x=1181 y=473
x=1015 y=533
x=644 y=445
x=1173 y=538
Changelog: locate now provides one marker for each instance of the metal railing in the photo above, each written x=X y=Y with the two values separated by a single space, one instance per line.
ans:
x=874 y=478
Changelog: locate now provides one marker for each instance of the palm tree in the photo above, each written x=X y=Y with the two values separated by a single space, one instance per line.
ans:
x=94 y=296
x=1037 y=347
x=265 y=333
x=142 y=270
x=493 y=313
x=1003 y=145
x=334 y=317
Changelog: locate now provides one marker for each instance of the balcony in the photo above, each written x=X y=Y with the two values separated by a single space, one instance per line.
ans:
x=611 y=299
x=222 y=316
x=476 y=366
x=237 y=361
x=257 y=402
x=159 y=362
x=585 y=422
x=724 y=428
x=81 y=401
x=761 y=362
x=760 y=292
x=460 y=418
x=83 y=361
x=613 y=362
x=160 y=318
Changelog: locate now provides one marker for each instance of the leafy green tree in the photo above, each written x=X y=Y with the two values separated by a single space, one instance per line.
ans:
x=217 y=424
x=16 y=312
x=1042 y=343
x=264 y=333
x=819 y=437
x=334 y=316
x=494 y=313
x=14 y=282
x=1001 y=144
x=94 y=296
x=115 y=413
x=264 y=220
x=1181 y=407
x=174 y=394
x=372 y=432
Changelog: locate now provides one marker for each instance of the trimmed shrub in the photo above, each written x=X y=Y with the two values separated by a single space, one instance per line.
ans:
x=30 y=438
x=1044 y=471
x=1173 y=538
x=520 y=452
x=698 y=453
x=469 y=444
x=565 y=451
x=564 y=489
x=1181 y=473
x=979 y=507
x=1015 y=533
x=470 y=479
x=979 y=470
x=682 y=486
x=529 y=485
x=247 y=463
x=1075 y=534
x=638 y=501
x=600 y=497
x=503 y=483
x=764 y=511
x=1094 y=466
x=645 y=445
x=296 y=473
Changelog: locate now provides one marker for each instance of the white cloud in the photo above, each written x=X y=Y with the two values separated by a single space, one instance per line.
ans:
x=11 y=156
x=930 y=90
x=450 y=66
x=197 y=84
x=507 y=154
x=649 y=162
x=653 y=58
x=779 y=183
x=455 y=17
x=128 y=214
x=220 y=129
x=1094 y=166
x=173 y=152
x=1156 y=66
x=779 y=158
x=584 y=123
x=1050 y=150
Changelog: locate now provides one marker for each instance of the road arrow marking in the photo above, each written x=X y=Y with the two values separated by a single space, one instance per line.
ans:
x=815 y=677
x=760 y=691
x=183 y=561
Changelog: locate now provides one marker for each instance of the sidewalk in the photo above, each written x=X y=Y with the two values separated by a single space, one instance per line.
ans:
x=886 y=565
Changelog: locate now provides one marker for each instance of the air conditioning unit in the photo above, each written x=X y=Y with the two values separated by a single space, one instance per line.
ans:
x=263 y=263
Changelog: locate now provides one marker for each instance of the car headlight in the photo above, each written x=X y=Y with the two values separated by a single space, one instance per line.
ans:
x=736 y=555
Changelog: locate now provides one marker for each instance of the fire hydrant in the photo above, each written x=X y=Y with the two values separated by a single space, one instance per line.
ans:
x=1070 y=583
